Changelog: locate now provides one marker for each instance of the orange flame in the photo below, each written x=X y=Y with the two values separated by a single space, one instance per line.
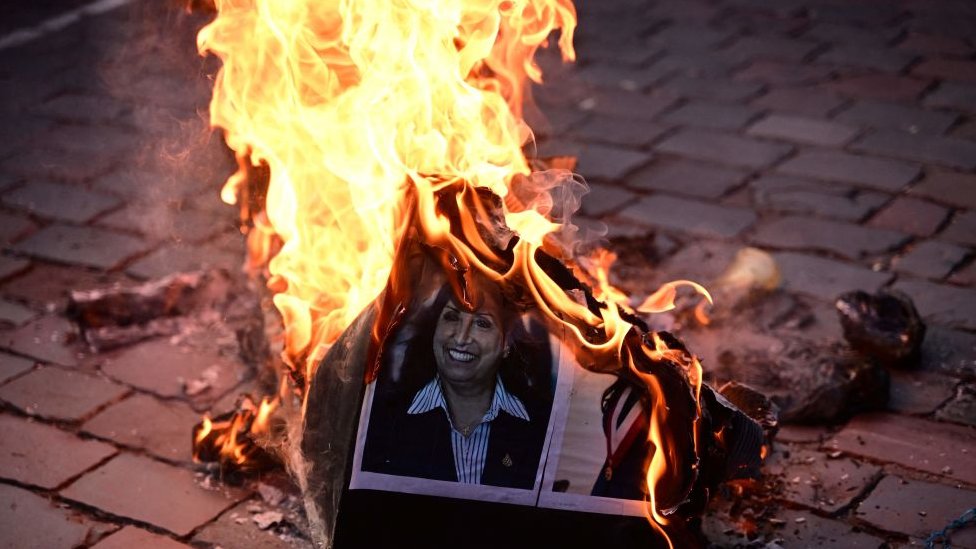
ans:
x=355 y=105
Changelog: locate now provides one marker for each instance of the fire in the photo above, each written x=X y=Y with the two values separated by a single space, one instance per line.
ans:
x=360 y=114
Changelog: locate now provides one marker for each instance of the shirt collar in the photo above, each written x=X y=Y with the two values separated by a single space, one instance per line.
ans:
x=432 y=396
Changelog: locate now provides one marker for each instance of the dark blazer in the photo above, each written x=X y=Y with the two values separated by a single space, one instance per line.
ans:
x=419 y=445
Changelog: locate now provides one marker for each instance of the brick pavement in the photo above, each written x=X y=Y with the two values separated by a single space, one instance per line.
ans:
x=839 y=136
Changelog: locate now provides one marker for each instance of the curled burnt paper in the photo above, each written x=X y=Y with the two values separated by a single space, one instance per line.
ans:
x=565 y=427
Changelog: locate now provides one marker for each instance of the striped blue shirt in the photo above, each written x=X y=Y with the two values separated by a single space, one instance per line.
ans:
x=469 y=451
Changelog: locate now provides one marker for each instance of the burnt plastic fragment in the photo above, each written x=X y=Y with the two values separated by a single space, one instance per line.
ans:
x=885 y=326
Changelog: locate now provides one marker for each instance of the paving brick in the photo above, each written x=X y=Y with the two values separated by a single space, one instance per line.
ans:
x=953 y=96
x=156 y=185
x=917 y=508
x=609 y=163
x=15 y=314
x=777 y=73
x=931 y=259
x=552 y=122
x=603 y=199
x=693 y=65
x=845 y=239
x=805 y=101
x=942 y=304
x=876 y=173
x=934 y=43
x=722 y=90
x=627 y=104
x=618 y=131
x=796 y=195
x=181 y=257
x=910 y=215
x=58 y=394
x=614 y=55
x=962 y=407
x=918 y=392
x=83 y=109
x=19 y=129
x=11 y=266
x=724 y=148
x=144 y=422
x=877 y=114
x=690 y=216
x=236 y=528
x=684 y=37
x=965 y=275
x=687 y=178
x=933 y=447
x=803 y=130
x=28 y=521
x=803 y=529
x=885 y=87
x=47 y=339
x=130 y=537
x=159 y=222
x=883 y=60
x=800 y=433
x=966 y=130
x=91 y=140
x=948 y=351
x=946 y=69
x=617 y=77
x=40 y=455
x=826 y=279
x=13 y=227
x=34 y=163
x=12 y=366
x=164 y=369
x=947 y=151
x=954 y=189
x=60 y=202
x=812 y=480
x=81 y=246
x=151 y=492
x=46 y=285
x=769 y=47
x=711 y=115
x=962 y=229
x=847 y=34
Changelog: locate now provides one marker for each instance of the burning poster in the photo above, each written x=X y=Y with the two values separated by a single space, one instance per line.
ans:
x=388 y=198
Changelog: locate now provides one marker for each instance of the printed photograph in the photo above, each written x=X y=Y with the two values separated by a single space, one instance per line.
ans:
x=463 y=396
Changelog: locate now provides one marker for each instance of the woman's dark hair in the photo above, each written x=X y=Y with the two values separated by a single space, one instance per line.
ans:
x=409 y=363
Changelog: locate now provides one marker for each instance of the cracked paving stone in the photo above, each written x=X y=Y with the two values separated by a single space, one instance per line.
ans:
x=86 y=246
x=60 y=202
x=29 y=521
x=165 y=369
x=825 y=278
x=817 y=482
x=145 y=422
x=142 y=489
x=40 y=455
x=47 y=339
x=921 y=444
x=12 y=366
x=62 y=395
x=917 y=508
x=131 y=537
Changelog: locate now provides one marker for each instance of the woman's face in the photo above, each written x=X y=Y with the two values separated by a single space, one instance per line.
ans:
x=468 y=346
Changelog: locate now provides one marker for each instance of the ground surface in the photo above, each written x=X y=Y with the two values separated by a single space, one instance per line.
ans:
x=840 y=136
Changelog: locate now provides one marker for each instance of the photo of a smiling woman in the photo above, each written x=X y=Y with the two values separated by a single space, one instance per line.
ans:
x=463 y=395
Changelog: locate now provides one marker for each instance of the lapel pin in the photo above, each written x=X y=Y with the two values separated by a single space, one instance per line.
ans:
x=507 y=460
